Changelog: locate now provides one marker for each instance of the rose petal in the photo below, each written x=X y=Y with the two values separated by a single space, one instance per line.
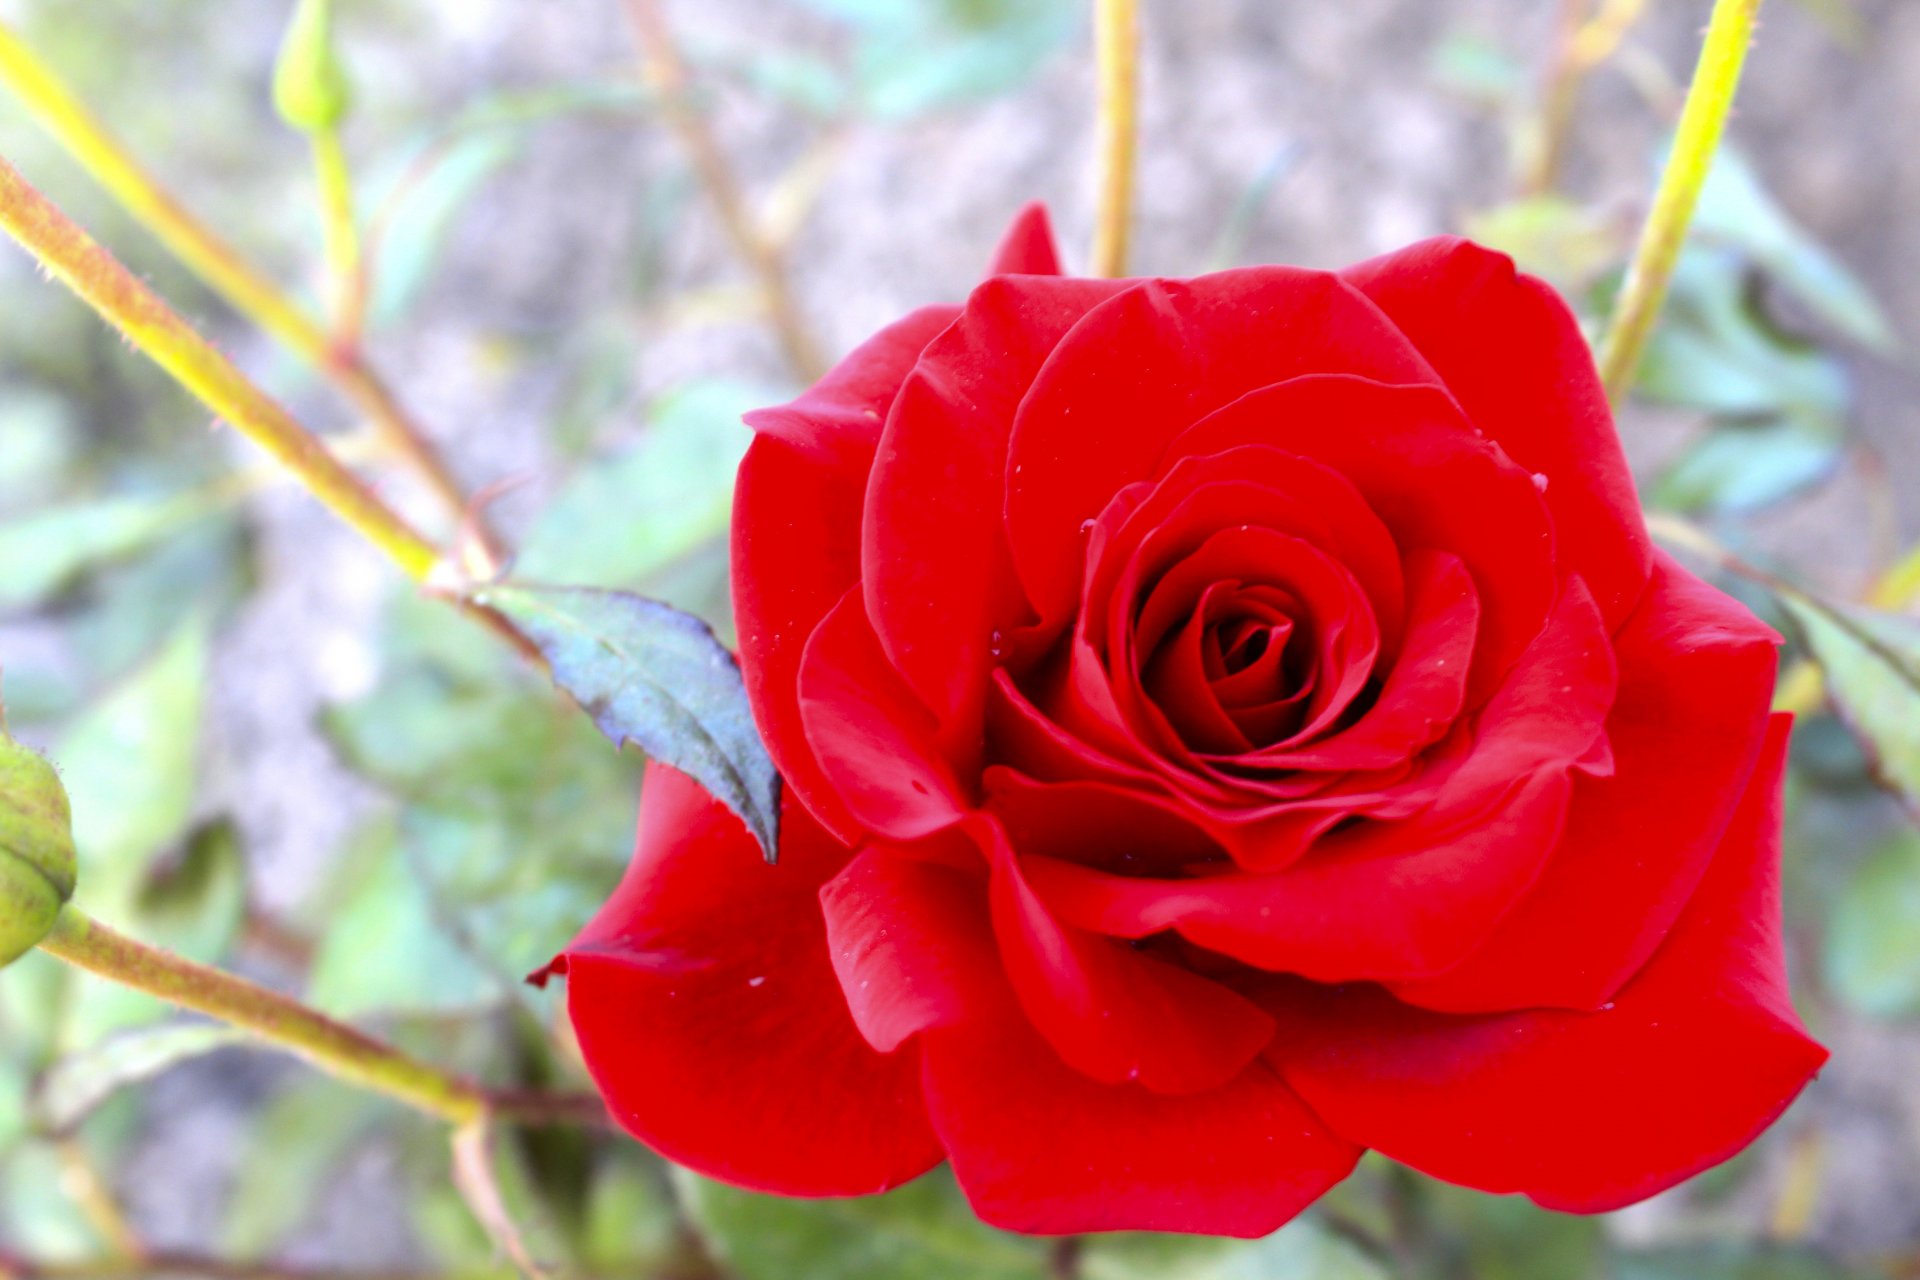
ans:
x=1142 y=367
x=1696 y=675
x=1513 y=355
x=912 y=943
x=1028 y=247
x=711 y=1020
x=1038 y=1147
x=1581 y=1111
x=938 y=579
x=1432 y=481
x=1113 y=1013
x=873 y=739
x=796 y=534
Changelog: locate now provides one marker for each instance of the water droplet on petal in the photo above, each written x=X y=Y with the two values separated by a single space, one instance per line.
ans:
x=1540 y=481
x=754 y=982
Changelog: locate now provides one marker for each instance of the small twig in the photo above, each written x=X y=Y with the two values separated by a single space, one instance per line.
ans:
x=1116 y=38
x=1063 y=1259
x=666 y=70
x=1702 y=122
x=80 y=1178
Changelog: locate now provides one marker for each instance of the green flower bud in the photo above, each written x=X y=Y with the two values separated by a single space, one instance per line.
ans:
x=310 y=87
x=36 y=849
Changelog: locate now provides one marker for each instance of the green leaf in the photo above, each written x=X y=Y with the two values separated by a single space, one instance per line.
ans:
x=914 y=56
x=43 y=553
x=1738 y=466
x=624 y=518
x=1872 y=664
x=129 y=762
x=1563 y=240
x=386 y=948
x=1873 y=932
x=1714 y=349
x=37 y=1216
x=656 y=677
x=42 y=439
x=1301 y=1250
x=513 y=819
x=292 y=1145
x=1736 y=209
x=1729 y=1262
x=922 y=1231
x=79 y=1082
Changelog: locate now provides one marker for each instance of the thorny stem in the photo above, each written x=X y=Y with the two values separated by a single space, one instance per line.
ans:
x=667 y=72
x=218 y=265
x=1116 y=37
x=1702 y=122
x=74 y=258
x=332 y=1047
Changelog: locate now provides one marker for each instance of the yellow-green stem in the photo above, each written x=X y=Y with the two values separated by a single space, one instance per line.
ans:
x=341 y=232
x=331 y=1046
x=71 y=256
x=1702 y=122
x=216 y=263
x=1116 y=38
x=83 y=137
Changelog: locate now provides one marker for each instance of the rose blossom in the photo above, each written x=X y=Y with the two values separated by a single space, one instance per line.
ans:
x=1228 y=724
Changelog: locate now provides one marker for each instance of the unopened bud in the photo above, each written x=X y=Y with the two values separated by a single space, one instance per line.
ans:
x=310 y=87
x=36 y=849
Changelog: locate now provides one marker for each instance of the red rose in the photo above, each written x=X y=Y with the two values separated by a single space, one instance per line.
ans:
x=1228 y=723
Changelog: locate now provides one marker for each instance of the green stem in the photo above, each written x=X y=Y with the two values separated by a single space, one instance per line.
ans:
x=331 y=1046
x=345 y=268
x=218 y=265
x=75 y=259
x=1702 y=122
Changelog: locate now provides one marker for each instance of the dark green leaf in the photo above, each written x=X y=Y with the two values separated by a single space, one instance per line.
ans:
x=656 y=677
x=1873 y=933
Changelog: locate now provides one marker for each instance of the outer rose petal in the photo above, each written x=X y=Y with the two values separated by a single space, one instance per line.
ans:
x=1039 y=1147
x=935 y=566
x=1582 y=1111
x=1696 y=673
x=703 y=990
x=796 y=533
x=1512 y=354
x=1028 y=248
